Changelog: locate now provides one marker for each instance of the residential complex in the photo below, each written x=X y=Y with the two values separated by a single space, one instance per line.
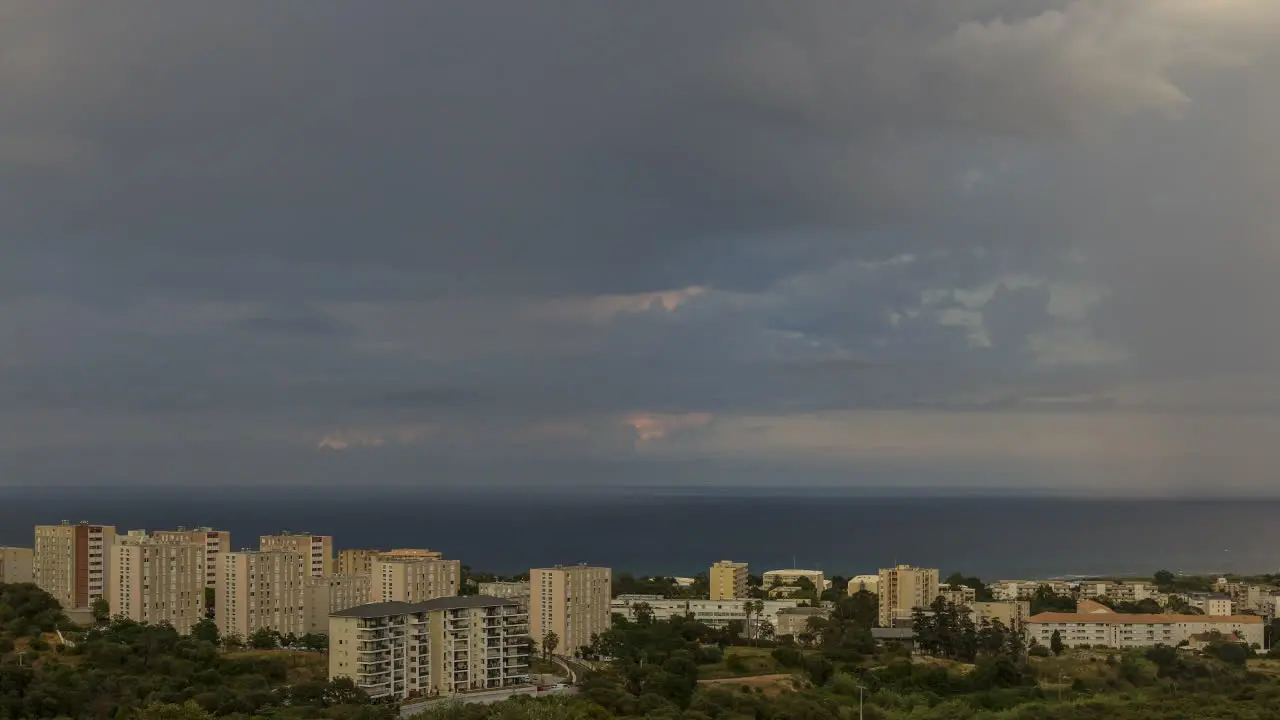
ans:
x=1009 y=613
x=795 y=621
x=213 y=542
x=518 y=591
x=156 y=581
x=317 y=548
x=261 y=589
x=70 y=562
x=16 y=565
x=571 y=601
x=440 y=647
x=861 y=583
x=904 y=588
x=414 y=579
x=781 y=583
x=962 y=595
x=728 y=580
x=327 y=595
x=1120 y=630
x=713 y=613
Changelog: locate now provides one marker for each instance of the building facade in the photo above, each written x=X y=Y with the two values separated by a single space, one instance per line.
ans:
x=442 y=647
x=728 y=580
x=1009 y=613
x=261 y=589
x=317 y=548
x=70 y=562
x=154 y=581
x=412 y=579
x=518 y=591
x=327 y=595
x=795 y=621
x=713 y=613
x=963 y=595
x=903 y=589
x=213 y=542
x=1119 y=630
x=17 y=565
x=782 y=583
x=571 y=601
x=864 y=583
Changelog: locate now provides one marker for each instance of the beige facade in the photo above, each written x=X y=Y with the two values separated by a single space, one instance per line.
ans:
x=213 y=542
x=261 y=589
x=518 y=591
x=360 y=562
x=17 y=565
x=153 y=581
x=414 y=579
x=795 y=621
x=864 y=583
x=571 y=601
x=1121 y=630
x=728 y=580
x=782 y=583
x=1010 y=613
x=962 y=595
x=318 y=548
x=712 y=613
x=327 y=595
x=904 y=588
x=70 y=562
x=442 y=647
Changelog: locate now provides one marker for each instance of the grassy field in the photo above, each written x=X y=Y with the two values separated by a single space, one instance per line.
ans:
x=1265 y=666
x=302 y=666
x=741 y=662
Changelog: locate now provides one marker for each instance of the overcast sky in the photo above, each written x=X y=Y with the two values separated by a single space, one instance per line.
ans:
x=1014 y=243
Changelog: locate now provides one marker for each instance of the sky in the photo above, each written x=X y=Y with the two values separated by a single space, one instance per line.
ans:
x=1015 y=244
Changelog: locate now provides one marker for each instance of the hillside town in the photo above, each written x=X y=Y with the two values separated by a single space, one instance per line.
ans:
x=408 y=623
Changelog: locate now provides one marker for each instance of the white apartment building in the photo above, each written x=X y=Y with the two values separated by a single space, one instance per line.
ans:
x=1026 y=589
x=902 y=590
x=442 y=647
x=782 y=583
x=327 y=595
x=571 y=601
x=70 y=562
x=414 y=579
x=727 y=580
x=17 y=565
x=713 y=613
x=213 y=542
x=518 y=591
x=1120 y=630
x=317 y=548
x=261 y=589
x=153 y=581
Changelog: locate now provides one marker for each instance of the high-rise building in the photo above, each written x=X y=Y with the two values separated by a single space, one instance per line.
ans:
x=213 y=542
x=904 y=588
x=319 y=548
x=330 y=594
x=360 y=562
x=440 y=647
x=70 y=562
x=728 y=580
x=571 y=601
x=261 y=589
x=155 y=581
x=413 y=579
x=16 y=565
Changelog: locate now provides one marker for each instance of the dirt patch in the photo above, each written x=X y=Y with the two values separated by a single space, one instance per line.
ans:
x=768 y=684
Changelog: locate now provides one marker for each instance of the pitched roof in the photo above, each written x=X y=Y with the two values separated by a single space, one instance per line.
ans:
x=1092 y=607
x=1141 y=619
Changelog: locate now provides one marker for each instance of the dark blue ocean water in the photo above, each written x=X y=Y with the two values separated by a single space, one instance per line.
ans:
x=683 y=532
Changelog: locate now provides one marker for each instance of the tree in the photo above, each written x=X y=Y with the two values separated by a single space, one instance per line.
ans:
x=206 y=630
x=550 y=642
x=262 y=639
x=190 y=710
x=1163 y=578
x=210 y=598
x=1055 y=643
x=643 y=613
x=101 y=610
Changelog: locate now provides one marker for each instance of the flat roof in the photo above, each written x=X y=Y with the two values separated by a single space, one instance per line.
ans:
x=455 y=602
x=1141 y=619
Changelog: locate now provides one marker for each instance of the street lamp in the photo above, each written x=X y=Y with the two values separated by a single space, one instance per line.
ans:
x=860 y=689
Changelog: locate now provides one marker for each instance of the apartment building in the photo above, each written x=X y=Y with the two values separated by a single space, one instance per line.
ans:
x=318 y=548
x=1009 y=613
x=795 y=621
x=518 y=591
x=728 y=580
x=360 y=561
x=261 y=589
x=963 y=595
x=783 y=583
x=864 y=583
x=1209 y=603
x=713 y=613
x=70 y=562
x=17 y=565
x=1119 y=630
x=154 y=581
x=213 y=542
x=1026 y=589
x=326 y=595
x=571 y=601
x=413 y=579
x=442 y=647
x=904 y=588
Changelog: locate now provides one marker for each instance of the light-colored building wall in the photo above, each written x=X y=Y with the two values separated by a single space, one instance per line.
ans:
x=728 y=580
x=1127 y=630
x=781 y=583
x=415 y=579
x=572 y=601
x=860 y=583
x=713 y=613
x=213 y=542
x=318 y=549
x=1010 y=613
x=70 y=562
x=518 y=591
x=155 y=582
x=795 y=621
x=261 y=589
x=17 y=565
x=326 y=595
x=443 y=647
x=904 y=588
x=1026 y=589
x=963 y=595
x=356 y=561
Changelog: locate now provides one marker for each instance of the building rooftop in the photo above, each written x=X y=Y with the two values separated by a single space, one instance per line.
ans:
x=456 y=602
x=1141 y=619
x=882 y=633
x=802 y=611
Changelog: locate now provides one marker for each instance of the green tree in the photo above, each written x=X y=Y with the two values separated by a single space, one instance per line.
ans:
x=189 y=710
x=263 y=639
x=101 y=610
x=210 y=598
x=1055 y=643
x=1164 y=578
x=550 y=642
x=206 y=630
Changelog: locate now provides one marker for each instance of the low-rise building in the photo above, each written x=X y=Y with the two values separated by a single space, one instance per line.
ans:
x=324 y=596
x=1209 y=603
x=963 y=595
x=1026 y=589
x=1010 y=613
x=16 y=565
x=713 y=613
x=861 y=583
x=783 y=583
x=795 y=621
x=1120 y=630
x=442 y=647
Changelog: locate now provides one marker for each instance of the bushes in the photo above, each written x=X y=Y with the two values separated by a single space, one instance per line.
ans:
x=1039 y=651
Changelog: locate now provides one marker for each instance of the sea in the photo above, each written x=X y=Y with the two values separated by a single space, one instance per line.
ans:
x=681 y=532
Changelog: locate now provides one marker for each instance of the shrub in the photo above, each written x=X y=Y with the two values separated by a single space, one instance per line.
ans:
x=1039 y=651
